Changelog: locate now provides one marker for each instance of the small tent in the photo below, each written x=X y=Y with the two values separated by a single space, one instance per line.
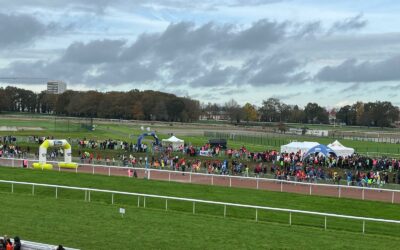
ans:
x=174 y=141
x=340 y=149
x=319 y=149
x=295 y=147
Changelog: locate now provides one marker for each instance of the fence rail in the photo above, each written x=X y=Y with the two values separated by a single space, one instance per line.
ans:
x=339 y=191
x=194 y=201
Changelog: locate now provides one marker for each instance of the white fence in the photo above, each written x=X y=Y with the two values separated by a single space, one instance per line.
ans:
x=194 y=201
x=340 y=191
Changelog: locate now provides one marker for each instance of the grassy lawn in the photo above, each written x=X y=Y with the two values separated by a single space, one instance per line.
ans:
x=99 y=226
x=211 y=213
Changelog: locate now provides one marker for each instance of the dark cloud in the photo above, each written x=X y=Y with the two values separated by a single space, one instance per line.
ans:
x=277 y=69
x=214 y=77
x=94 y=52
x=70 y=72
x=307 y=30
x=208 y=55
x=353 y=70
x=122 y=73
x=183 y=54
x=186 y=38
x=258 y=37
x=21 y=29
x=349 y=24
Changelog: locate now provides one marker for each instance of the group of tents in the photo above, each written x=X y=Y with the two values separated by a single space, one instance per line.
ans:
x=308 y=148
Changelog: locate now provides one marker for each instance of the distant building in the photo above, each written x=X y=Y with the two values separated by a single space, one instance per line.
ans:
x=215 y=115
x=56 y=87
x=332 y=117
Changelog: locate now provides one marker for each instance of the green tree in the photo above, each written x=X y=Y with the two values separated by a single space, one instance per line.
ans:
x=235 y=112
x=250 y=112
x=315 y=114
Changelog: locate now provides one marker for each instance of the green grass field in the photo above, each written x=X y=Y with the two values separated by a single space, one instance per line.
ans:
x=97 y=225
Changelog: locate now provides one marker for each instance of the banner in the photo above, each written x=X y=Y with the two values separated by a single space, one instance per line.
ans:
x=205 y=153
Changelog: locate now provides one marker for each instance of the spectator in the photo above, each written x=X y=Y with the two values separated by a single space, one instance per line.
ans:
x=17 y=243
x=9 y=245
x=2 y=244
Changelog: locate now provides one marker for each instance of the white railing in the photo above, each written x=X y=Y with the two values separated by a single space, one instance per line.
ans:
x=194 y=201
x=339 y=191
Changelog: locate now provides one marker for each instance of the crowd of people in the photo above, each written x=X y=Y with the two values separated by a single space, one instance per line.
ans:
x=7 y=244
x=361 y=169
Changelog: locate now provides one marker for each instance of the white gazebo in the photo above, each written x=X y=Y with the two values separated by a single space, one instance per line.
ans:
x=174 y=141
x=340 y=149
x=295 y=147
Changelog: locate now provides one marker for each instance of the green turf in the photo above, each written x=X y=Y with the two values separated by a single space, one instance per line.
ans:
x=234 y=195
x=95 y=225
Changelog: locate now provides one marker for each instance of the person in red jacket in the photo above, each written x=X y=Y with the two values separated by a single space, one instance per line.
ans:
x=9 y=245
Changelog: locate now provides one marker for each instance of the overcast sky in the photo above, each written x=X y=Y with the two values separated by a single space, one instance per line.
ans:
x=329 y=52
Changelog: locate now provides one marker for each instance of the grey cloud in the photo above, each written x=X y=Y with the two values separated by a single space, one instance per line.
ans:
x=19 y=29
x=273 y=70
x=120 y=73
x=307 y=30
x=214 y=77
x=183 y=54
x=42 y=69
x=185 y=38
x=259 y=36
x=94 y=52
x=349 y=24
x=352 y=70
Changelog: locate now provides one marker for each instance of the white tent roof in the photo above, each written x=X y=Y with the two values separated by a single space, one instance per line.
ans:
x=294 y=147
x=172 y=139
x=340 y=149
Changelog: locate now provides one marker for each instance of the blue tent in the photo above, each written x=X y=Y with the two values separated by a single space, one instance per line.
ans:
x=320 y=149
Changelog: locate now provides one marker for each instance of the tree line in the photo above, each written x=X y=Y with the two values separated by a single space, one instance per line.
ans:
x=155 y=105
x=134 y=104
x=376 y=114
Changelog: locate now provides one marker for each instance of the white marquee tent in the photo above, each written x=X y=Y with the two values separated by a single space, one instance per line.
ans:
x=174 y=141
x=295 y=147
x=340 y=149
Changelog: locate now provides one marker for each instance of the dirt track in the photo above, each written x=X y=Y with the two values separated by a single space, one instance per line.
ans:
x=227 y=181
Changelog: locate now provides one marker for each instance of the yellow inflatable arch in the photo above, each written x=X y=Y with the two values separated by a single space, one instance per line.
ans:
x=55 y=143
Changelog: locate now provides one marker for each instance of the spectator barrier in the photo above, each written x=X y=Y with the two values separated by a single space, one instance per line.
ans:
x=340 y=191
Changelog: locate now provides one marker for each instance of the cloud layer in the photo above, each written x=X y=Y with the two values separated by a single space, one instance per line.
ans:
x=203 y=48
x=21 y=29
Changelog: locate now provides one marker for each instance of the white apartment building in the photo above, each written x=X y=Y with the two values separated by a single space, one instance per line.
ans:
x=56 y=87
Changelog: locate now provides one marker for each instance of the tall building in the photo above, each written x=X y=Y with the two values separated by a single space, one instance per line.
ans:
x=56 y=87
